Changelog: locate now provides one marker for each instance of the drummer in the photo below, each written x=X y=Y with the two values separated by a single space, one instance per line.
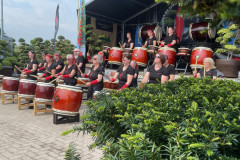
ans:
x=50 y=67
x=95 y=75
x=129 y=43
x=134 y=65
x=151 y=40
x=104 y=63
x=80 y=61
x=124 y=73
x=69 y=72
x=42 y=65
x=170 y=40
x=170 y=69
x=210 y=69
x=59 y=64
x=157 y=72
x=32 y=66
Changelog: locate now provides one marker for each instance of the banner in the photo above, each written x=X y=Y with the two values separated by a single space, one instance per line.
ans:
x=56 y=26
x=138 y=40
x=81 y=44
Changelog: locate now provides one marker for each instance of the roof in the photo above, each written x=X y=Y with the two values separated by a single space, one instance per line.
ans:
x=118 y=11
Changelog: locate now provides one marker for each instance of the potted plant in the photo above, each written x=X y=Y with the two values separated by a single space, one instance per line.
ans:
x=229 y=66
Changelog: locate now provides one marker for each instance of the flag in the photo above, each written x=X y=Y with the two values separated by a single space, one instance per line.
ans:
x=138 y=39
x=81 y=44
x=56 y=26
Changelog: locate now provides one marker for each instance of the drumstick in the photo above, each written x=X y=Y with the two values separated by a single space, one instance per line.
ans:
x=120 y=45
x=34 y=76
x=80 y=80
x=53 y=80
x=106 y=76
x=18 y=68
x=197 y=56
x=48 y=72
x=79 y=70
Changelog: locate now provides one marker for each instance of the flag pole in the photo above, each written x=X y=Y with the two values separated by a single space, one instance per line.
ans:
x=78 y=19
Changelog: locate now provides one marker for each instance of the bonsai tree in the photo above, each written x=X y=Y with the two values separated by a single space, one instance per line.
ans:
x=226 y=35
x=95 y=44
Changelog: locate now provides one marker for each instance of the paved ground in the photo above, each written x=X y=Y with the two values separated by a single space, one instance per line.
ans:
x=24 y=136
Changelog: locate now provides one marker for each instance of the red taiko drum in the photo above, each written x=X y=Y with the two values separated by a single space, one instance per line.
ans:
x=10 y=85
x=80 y=81
x=157 y=30
x=44 y=92
x=170 y=52
x=106 y=49
x=140 y=55
x=198 y=55
x=196 y=28
x=67 y=100
x=115 y=56
x=27 y=88
x=110 y=85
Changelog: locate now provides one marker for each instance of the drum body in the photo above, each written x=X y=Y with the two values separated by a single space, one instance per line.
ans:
x=110 y=85
x=115 y=56
x=152 y=49
x=81 y=80
x=10 y=85
x=67 y=100
x=44 y=92
x=157 y=30
x=196 y=28
x=106 y=49
x=140 y=55
x=183 y=51
x=170 y=52
x=27 y=88
x=198 y=55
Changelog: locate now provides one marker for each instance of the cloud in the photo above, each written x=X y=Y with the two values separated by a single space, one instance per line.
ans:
x=29 y=19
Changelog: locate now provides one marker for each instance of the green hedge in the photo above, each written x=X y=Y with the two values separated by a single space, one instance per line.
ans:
x=188 y=118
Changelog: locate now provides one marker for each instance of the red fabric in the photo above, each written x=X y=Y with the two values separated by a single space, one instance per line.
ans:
x=66 y=76
x=44 y=75
x=28 y=71
x=57 y=55
x=74 y=61
x=94 y=82
x=236 y=58
x=113 y=80
x=169 y=45
x=49 y=77
x=86 y=76
x=25 y=69
x=195 y=76
x=59 y=74
x=42 y=68
x=161 y=45
x=125 y=86
x=89 y=58
x=151 y=32
x=49 y=56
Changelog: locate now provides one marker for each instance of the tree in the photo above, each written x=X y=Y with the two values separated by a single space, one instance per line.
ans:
x=22 y=51
x=224 y=10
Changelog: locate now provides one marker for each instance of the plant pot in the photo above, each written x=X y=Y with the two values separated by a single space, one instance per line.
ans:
x=7 y=71
x=229 y=68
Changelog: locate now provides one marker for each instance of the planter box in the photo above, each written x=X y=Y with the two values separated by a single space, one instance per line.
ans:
x=229 y=68
x=7 y=71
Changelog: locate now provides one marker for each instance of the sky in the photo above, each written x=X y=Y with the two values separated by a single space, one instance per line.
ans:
x=29 y=19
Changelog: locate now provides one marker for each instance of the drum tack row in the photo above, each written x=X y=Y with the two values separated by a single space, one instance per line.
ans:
x=141 y=54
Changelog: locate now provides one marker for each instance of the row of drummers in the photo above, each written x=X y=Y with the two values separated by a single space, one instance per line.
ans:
x=142 y=55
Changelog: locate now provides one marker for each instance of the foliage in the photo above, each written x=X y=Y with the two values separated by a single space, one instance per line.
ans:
x=188 y=118
x=95 y=44
x=222 y=9
x=71 y=153
x=225 y=37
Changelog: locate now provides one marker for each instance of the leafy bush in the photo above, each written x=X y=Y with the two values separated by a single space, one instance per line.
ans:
x=188 y=118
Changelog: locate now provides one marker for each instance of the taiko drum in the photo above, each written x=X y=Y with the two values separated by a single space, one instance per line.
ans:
x=140 y=55
x=10 y=85
x=27 y=88
x=170 y=52
x=198 y=55
x=44 y=92
x=115 y=56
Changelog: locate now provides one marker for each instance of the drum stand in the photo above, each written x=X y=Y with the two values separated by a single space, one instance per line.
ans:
x=60 y=119
x=45 y=109
x=26 y=104
x=9 y=99
x=184 y=60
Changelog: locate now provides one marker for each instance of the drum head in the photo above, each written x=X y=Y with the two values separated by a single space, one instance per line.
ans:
x=167 y=48
x=158 y=33
x=204 y=48
x=143 y=48
x=28 y=81
x=116 y=48
x=11 y=78
x=211 y=31
x=68 y=87
x=45 y=84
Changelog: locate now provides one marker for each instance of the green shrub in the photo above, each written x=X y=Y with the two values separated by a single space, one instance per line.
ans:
x=188 y=118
